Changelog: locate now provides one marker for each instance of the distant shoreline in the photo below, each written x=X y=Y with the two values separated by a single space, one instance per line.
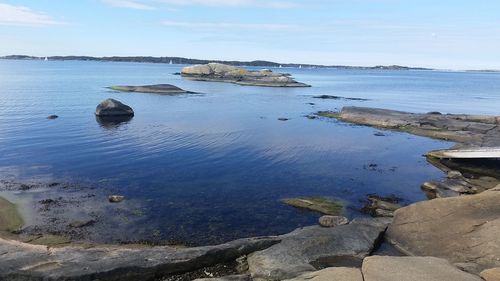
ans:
x=181 y=60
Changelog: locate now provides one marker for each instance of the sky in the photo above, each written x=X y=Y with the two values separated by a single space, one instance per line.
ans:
x=446 y=34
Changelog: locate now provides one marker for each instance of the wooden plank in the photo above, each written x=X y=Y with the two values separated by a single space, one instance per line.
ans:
x=473 y=153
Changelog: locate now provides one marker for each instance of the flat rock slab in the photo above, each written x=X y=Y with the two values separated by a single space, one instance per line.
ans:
x=492 y=274
x=331 y=274
x=462 y=229
x=217 y=72
x=21 y=261
x=471 y=153
x=387 y=268
x=162 y=89
x=476 y=130
x=242 y=277
x=315 y=244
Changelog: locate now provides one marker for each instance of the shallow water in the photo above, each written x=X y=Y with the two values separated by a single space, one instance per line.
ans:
x=212 y=167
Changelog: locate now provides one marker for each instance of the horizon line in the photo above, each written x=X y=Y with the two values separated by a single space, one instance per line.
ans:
x=237 y=62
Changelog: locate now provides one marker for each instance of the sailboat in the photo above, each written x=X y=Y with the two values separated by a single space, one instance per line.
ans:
x=281 y=66
x=300 y=66
x=46 y=59
x=171 y=62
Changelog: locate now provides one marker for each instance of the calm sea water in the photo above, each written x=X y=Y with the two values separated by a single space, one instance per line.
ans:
x=212 y=167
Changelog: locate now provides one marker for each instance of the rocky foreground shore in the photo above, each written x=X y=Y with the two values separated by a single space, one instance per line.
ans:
x=452 y=237
x=217 y=72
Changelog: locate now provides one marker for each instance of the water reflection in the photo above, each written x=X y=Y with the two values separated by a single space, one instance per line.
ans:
x=112 y=122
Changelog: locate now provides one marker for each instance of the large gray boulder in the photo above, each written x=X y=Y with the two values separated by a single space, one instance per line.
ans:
x=462 y=229
x=315 y=244
x=113 y=108
x=387 y=268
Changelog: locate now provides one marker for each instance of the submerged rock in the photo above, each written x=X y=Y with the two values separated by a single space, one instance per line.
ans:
x=319 y=245
x=379 y=206
x=387 y=268
x=218 y=72
x=79 y=224
x=162 y=89
x=113 y=108
x=52 y=117
x=318 y=204
x=329 y=97
x=116 y=198
x=460 y=229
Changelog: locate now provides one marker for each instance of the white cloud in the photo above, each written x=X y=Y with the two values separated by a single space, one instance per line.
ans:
x=131 y=4
x=228 y=25
x=20 y=15
x=233 y=3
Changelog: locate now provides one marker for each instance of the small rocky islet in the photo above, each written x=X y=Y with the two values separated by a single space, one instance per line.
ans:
x=453 y=236
x=161 y=89
x=217 y=72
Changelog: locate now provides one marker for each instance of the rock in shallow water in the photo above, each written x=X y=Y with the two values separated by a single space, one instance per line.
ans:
x=113 y=108
x=332 y=221
x=318 y=204
x=116 y=198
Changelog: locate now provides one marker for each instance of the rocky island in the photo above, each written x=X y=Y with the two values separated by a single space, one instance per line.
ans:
x=217 y=72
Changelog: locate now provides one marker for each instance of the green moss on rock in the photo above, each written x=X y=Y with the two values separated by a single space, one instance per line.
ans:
x=328 y=114
x=10 y=219
x=317 y=204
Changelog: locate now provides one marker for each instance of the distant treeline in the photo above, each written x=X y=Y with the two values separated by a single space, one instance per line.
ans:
x=179 y=60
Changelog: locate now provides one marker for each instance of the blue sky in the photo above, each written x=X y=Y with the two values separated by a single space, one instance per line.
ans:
x=459 y=34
